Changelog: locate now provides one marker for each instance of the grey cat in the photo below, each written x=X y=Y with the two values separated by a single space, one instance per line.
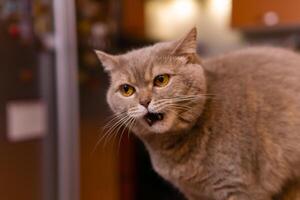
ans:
x=226 y=128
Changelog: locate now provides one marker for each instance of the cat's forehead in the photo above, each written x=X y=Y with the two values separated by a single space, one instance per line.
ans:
x=136 y=66
x=139 y=66
x=136 y=69
x=146 y=55
x=140 y=59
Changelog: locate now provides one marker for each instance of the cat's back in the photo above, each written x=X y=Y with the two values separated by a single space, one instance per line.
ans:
x=264 y=71
x=262 y=80
x=255 y=61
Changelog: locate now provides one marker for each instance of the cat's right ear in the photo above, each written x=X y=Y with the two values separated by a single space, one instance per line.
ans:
x=186 y=45
x=108 y=61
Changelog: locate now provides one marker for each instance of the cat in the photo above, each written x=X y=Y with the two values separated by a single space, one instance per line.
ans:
x=223 y=128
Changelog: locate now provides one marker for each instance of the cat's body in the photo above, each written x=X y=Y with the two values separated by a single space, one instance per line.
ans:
x=238 y=140
x=250 y=146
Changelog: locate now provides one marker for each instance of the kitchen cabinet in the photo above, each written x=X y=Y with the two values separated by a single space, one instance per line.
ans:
x=264 y=14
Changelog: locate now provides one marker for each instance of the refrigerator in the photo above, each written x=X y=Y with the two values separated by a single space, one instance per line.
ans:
x=39 y=147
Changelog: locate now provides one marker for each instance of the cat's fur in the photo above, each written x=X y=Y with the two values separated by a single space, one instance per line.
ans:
x=240 y=140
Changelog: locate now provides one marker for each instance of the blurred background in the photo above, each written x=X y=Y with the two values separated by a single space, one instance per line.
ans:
x=52 y=90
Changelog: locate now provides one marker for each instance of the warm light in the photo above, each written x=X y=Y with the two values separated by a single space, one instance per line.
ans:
x=182 y=9
x=166 y=19
x=220 y=9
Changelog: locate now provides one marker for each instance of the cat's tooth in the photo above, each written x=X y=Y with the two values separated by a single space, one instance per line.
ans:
x=149 y=121
x=159 y=117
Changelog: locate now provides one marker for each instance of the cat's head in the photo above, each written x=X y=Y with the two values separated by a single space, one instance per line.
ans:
x=157 y=89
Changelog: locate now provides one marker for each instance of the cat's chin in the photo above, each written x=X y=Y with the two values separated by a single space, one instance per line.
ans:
x=161 y=126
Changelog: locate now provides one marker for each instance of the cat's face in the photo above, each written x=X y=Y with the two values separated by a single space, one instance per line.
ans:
x=157 y=89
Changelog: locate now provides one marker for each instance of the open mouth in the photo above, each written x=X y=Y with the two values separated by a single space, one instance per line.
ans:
x=152 y=118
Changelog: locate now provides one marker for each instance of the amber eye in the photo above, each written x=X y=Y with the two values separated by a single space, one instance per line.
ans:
x=127 y=90
x=161 y=80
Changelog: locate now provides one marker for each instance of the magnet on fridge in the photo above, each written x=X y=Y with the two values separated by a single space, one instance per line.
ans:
x=26 y=120
x=14 y=31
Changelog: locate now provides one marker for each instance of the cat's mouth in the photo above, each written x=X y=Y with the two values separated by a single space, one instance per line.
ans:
x=152 y=118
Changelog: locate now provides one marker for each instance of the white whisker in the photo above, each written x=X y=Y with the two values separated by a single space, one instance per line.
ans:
x=124 y=129
x=115 y=118
x=116 y=127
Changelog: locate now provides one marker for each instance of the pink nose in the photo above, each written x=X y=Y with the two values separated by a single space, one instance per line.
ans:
x=145 y=103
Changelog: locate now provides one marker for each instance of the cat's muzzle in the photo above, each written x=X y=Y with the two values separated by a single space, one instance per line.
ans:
x=151 y=118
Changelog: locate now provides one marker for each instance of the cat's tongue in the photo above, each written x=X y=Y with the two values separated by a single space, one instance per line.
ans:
x=151 y=118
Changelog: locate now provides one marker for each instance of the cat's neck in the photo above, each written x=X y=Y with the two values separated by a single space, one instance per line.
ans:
x=172 y=147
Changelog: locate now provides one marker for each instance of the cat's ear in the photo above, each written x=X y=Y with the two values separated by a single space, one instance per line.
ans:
x=108 y=61
x=186 y=45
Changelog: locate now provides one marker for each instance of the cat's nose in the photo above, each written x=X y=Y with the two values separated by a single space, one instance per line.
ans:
x=145 y=103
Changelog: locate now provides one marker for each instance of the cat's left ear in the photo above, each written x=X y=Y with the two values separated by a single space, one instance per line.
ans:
x=186 y=45
x=108 y=61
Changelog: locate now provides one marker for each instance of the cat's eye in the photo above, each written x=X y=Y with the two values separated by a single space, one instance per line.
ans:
x=126 y=90
x=161 y=80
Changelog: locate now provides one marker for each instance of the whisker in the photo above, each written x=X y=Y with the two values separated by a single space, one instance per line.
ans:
x=177 y=100
x=112 y=121
x=162 y=106
x=110 y=133
x=180 y=116
x=124 y=125
x=115 y=129
x=129 y=130
x=180 y=108
x=187 y=96
x=113 y=118
x=124 y=129
x=107 y=133
x=165 y=103
x=108 y=126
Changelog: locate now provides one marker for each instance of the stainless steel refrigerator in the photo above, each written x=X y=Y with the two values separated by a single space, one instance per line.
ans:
x=39 y=150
